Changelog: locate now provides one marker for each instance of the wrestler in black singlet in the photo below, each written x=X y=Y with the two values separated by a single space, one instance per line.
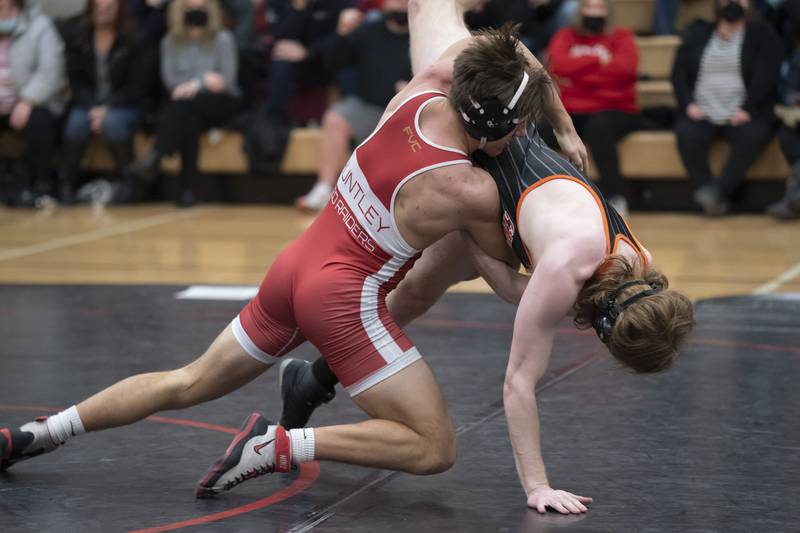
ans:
x=527 y=161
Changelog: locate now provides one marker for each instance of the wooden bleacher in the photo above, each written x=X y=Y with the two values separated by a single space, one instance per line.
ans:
x=643 y=155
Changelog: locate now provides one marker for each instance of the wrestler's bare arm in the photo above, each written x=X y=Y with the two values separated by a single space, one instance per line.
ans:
x=479 y=214
x=549 y=296
x=505 y=280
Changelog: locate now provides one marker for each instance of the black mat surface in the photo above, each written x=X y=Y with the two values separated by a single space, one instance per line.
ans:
x=710 y=446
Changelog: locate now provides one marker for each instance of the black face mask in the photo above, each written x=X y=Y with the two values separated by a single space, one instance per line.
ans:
x=196 y=17
x=398 y=17
x=594 y=24
x=732 y=12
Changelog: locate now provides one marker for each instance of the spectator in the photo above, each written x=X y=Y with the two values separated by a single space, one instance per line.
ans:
x=595 y=67
x=539 y=19
x=32 y=90
x=789 y=133
x=109 y=75
x=725 y=77
x=240 y=18
x=664 y=17
x=379 y=52
x=151 y=19
x=198 y=69
x=301 y=28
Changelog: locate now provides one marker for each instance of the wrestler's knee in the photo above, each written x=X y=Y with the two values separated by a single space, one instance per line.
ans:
x=438 y=454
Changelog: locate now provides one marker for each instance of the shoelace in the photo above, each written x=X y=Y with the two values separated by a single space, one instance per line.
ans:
x=249 y=474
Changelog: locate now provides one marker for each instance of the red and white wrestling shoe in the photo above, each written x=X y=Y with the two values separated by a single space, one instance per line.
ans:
x=259 y=448
x=30 y=440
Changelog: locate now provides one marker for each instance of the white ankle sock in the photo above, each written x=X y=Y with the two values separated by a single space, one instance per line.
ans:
x=65 y=424
x=302 y=445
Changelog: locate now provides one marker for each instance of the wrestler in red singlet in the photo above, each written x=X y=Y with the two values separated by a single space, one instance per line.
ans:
x=330 y=285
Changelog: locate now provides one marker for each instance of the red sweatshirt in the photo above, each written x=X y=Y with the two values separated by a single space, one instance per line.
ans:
x=587 y=84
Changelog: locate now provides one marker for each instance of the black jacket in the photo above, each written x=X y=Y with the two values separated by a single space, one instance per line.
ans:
x=131 y=69
x=762 y=54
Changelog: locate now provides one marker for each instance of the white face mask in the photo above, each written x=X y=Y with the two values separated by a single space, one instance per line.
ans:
x=7 y=26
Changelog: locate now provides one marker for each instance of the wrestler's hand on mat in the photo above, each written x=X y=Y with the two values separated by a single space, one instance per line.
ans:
x=562 y=501
x=573 y=148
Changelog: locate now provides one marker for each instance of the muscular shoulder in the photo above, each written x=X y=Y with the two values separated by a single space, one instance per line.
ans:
x=474 y=189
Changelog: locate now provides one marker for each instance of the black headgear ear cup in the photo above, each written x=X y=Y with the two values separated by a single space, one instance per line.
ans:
x=490 y=119
x=606 y=316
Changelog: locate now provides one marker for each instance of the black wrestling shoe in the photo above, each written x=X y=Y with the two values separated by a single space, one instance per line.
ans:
x=301 y=393
x=30 y=440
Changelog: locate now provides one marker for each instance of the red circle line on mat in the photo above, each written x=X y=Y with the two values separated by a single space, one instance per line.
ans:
x=309 y=472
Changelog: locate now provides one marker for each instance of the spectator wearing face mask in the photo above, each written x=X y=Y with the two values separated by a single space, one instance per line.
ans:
x=788 y=111
x=595 y=67
x=725 y=79
x=32 y=91
x=378 y=51
x=198 y=70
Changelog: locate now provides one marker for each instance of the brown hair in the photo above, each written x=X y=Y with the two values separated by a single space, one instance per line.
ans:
x=491 y=67
x=122 y=24
x=177 y=28
x=20 y=4
x=647 y=335
x=748 y=11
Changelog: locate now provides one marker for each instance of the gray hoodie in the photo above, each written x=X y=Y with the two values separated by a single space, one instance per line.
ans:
x=37 y=61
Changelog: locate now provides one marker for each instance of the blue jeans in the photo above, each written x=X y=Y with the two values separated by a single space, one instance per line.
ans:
x=118 y=126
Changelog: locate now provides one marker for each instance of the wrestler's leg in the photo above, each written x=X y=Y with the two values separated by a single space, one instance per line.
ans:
x=304 y=386
x=410 y=429
x=223 y=368
x=435 y=25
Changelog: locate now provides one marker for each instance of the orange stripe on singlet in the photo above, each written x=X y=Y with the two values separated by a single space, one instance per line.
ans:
x=609 y=248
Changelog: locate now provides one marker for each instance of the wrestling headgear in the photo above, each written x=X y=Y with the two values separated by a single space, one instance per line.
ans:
x=607 y=314
x=490 y=119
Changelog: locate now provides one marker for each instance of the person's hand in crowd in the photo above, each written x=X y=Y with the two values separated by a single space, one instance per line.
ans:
x=695 y=112
x=156 y=4
x=289 y=50
x=740 y=118
x=299 y=5
x=214 y=82
x=186 y=90
x=20 y=115
x=400 y=85
x=96 y=117
x=349 y=20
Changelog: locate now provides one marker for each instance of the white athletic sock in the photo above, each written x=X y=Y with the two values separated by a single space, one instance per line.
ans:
x=302 y=445
x=65 y=424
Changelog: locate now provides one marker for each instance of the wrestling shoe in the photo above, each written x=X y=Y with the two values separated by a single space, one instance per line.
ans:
x=301 y=393
x=259 y=448
x=30 y=440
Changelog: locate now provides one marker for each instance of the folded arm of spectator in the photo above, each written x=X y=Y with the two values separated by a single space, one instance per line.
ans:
x=49 y=77
x=227 y=59
x=340 y=50
x=622 y=64
x=564 y=65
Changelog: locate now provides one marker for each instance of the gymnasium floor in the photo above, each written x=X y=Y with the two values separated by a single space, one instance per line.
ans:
x=88 y=297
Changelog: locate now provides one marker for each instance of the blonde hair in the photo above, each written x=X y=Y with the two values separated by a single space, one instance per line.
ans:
x=647 y=335
x=177 y=27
